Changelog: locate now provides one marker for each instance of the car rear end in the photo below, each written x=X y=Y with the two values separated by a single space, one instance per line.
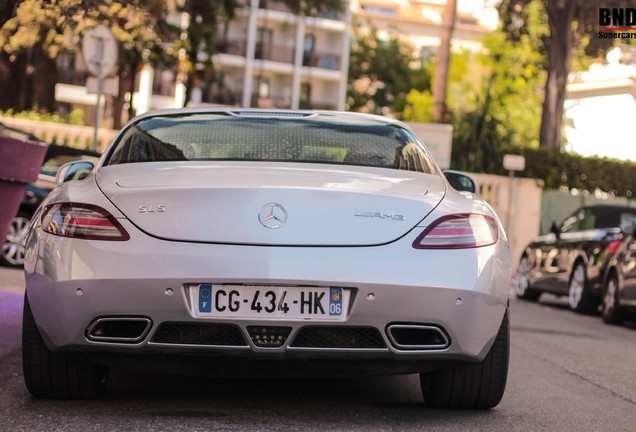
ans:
x=245 y=258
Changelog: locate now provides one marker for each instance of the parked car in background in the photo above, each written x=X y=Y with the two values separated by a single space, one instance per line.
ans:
x=619 y=288
x=573 y=258
x=12 y=252
x=240 y=242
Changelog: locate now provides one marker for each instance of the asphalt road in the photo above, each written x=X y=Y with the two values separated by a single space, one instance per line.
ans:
x=568 y=373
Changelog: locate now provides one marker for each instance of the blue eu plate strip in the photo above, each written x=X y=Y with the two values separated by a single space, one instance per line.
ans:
x=205 y=298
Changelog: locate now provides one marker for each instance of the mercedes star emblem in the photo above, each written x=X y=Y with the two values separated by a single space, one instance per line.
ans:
x=272 y=215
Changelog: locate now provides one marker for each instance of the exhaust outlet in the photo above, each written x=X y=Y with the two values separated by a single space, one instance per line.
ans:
x=119 y=329
x=417 y=337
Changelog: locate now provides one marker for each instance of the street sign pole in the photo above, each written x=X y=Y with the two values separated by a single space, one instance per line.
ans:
x=100 y=52
x=97 y=108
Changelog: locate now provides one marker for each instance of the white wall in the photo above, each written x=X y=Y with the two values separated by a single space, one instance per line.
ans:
x=519 y=211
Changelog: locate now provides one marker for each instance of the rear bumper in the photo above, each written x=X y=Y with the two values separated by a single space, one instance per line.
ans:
x=70 y=283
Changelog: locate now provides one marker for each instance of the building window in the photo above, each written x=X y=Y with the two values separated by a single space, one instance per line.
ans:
x=379 y=9
x=263 y=43
x=305 y=96
x=308 y=49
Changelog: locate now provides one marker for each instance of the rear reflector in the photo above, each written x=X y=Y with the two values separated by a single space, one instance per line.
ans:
x=83 y=221
x=459 y=231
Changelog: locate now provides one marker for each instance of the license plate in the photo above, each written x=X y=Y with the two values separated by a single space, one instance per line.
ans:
x=252 y=301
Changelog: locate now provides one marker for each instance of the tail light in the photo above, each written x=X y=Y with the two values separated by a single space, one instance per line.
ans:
x=459 y=231
x=83 y=221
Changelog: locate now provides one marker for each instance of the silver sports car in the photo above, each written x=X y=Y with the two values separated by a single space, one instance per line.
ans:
x=243 y=242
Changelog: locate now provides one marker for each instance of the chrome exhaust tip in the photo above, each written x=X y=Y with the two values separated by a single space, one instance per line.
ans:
x=417 y=337
x=128 y=330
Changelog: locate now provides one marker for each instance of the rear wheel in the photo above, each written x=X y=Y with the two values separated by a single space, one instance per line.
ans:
x=472 y=385
x=579 y=297
x=612 y=312
x=522 y=287
x=53 y=375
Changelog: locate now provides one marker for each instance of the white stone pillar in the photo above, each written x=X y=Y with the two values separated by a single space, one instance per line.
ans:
x=179 y=94
x=344 y=59
x=298 y=62
x=249 y=54
x=144 y=94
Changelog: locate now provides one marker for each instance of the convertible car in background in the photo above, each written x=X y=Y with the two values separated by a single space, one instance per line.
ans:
x=252 y=243
x=576 y=257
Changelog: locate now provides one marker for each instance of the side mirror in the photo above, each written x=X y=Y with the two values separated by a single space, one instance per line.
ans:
x=555 y=229
x=76 y=170
x=628 y=228
x=461 y=181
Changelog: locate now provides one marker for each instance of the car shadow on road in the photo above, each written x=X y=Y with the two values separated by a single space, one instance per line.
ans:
x=370 y=400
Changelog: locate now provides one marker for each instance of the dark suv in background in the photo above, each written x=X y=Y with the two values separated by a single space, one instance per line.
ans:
x=573 y=260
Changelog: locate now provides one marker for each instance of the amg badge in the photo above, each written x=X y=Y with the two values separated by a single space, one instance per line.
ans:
x=380 y=215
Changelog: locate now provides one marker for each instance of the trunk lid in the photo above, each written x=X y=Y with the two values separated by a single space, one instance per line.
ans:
x=271 y=203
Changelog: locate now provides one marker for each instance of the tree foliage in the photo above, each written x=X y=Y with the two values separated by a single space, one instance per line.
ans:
x=571 y=171
x=382 y=71
x=43 y=29
x=569 y=22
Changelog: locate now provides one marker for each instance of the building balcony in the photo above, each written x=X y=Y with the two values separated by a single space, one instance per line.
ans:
x=225 y=96
x=278 y=53
x=317 y=106
x=231 y=46
x=222 y=96
x=322 y=60
x=274 y=102
x=281 y=7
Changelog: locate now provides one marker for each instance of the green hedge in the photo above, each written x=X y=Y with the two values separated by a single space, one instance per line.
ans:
x=558 y=170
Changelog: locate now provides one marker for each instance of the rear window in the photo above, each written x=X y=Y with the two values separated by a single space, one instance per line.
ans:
x=200 y=137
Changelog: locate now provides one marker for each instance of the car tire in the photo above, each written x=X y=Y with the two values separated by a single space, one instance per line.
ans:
x=52 y=375
x=523 y=288
x=12 y=252
x=472 y=385
x=611 y=311
x=580 y=299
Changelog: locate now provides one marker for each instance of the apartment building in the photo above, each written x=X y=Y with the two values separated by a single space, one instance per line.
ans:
x=419 y=22
x=271 y=58
x=268 y=57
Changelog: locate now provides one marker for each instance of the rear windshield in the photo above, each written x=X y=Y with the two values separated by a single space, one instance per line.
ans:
x=202 y=137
